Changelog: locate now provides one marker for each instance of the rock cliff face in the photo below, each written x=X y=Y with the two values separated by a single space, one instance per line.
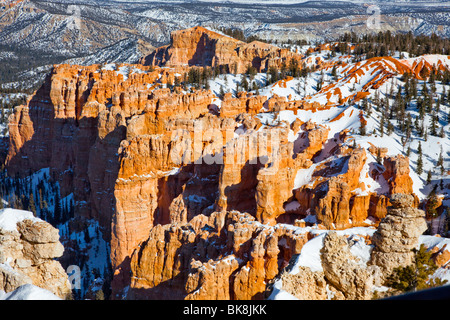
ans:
x=198 y=195
x=226 y=255
x=201 y=47
x=28 y=248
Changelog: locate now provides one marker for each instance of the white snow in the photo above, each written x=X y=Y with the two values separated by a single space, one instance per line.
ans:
x=10 y=217
x=291 y=206
x=28 y=292
x=310 y=255
x=279 y=294
x=304 y=176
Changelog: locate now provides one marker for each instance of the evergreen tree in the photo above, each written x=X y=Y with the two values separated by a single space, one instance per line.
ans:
x=442 y=132
x=379 y=159
x=446 y=222
x=419 y=168
x=416 y=276
x=433 y=124
x=390 y=128
x=244 y=83
x=408 y=151
x=41 y=204
x=334 y=73
x=362 y=128
x=272 y=74
x=429 y=176
x=432 y=204
x=382 y=120
x=57 y=215
x=440 y=162
x=31 y=204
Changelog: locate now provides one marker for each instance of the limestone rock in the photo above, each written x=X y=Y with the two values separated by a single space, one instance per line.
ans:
x=397 y=234
x=305 y=285
x=211 y=280
x=27 y=257
x=344 y=271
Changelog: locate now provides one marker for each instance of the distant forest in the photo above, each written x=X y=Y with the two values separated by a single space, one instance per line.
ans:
x=22 y=60
x=385 y=43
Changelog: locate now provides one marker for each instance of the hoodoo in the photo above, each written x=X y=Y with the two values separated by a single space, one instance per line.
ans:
x=216 y=187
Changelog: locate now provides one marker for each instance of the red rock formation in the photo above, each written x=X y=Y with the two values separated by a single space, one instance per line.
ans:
x=202 y=47
x=134 y=155
x=397 y=174
x=183 y=258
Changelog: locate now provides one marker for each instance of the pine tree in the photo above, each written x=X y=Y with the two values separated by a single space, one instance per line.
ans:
x=433 y=125
x=390 y=128
x=31 y=204
x=57 y=215
x=446 y=222
x=272 y=75
x=379 y=158
x=429 y=176
x=440 y=162
x=382 y=120
x=431 y=204
x=416 y=276
x=442 y=132
x=244 y=83
x=41 y=204
x=334 y=73
x=419 y=159
x=362 y=128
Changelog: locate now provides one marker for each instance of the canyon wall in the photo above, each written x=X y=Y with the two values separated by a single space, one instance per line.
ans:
x=189 y=194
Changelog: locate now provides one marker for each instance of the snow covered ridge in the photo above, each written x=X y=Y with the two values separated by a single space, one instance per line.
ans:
x=373 y=79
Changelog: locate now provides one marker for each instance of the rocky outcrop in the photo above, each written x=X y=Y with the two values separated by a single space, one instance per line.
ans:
x=397 y=174
x=344 y=271
x=342 y=276
x=348 y=277
x=107 y=137
x=397 y=234
x=221 y=256
x=28 y=248
x=202 y=47
x=332 y=198
x=305 y=285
